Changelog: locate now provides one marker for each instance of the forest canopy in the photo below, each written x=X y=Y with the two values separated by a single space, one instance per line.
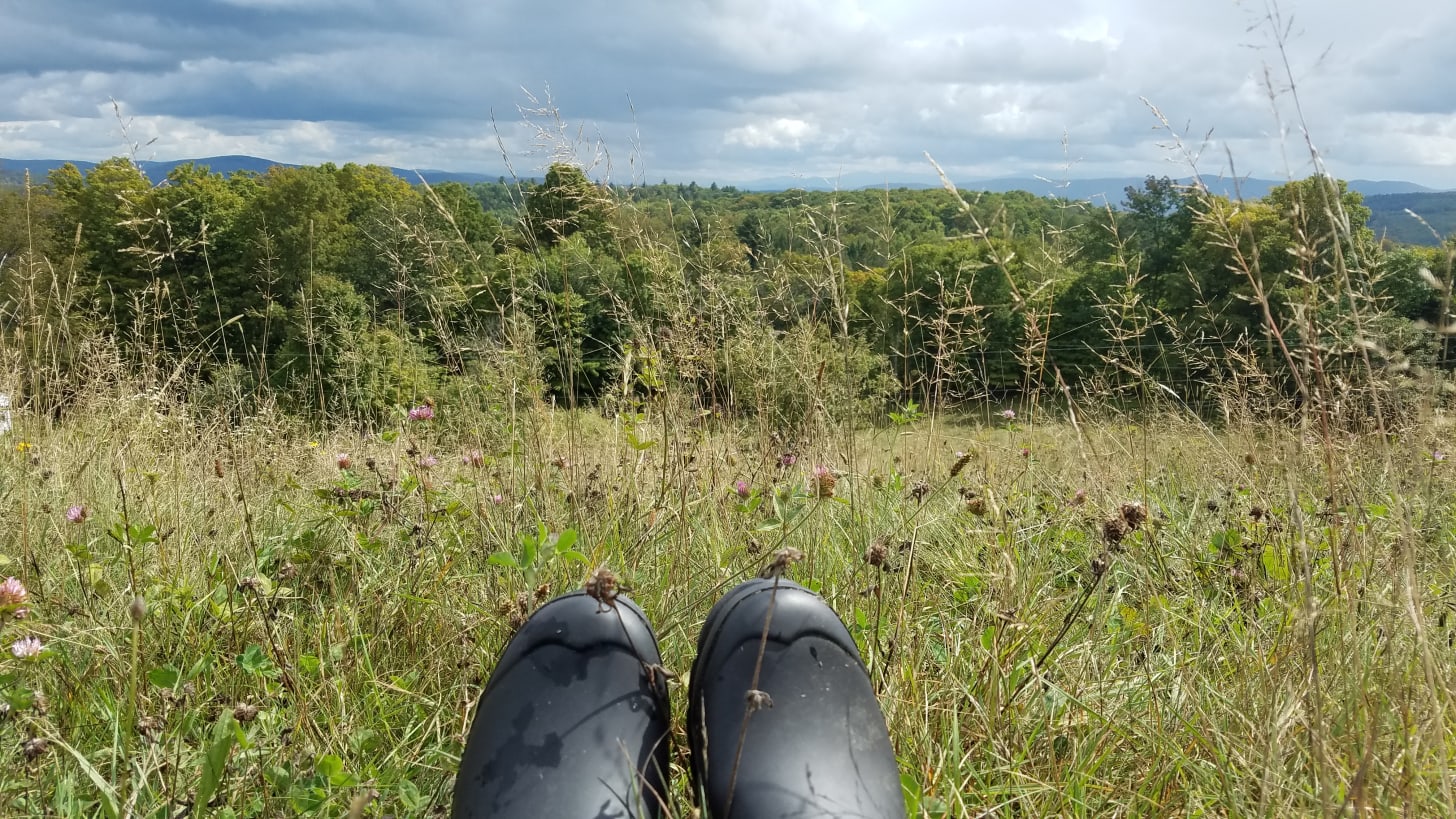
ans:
x=345 y=291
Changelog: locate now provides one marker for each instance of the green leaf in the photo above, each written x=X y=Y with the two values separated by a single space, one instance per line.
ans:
x=19 y=699
x=331 y=767
x=200 y=667
x=565 y=541
x=410 y=797
x=1274 y=565
x=253 y=660
x=1225 y=540
x=278 y=776
x=165 y=677
x=214 y=761
x=638 y=444
x=503 y=559
x=572 y=556
x=309 y=795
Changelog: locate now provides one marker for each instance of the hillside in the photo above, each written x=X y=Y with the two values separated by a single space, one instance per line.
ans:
x=1390 y=216
x=13 y=170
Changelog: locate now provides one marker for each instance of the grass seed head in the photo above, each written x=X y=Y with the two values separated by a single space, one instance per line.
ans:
x=960 y=464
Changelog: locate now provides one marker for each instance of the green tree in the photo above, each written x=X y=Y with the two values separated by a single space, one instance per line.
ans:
x=952 y=322
x=110 y=207
x=567 y=203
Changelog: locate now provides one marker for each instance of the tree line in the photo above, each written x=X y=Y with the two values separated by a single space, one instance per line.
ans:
x=346 y=291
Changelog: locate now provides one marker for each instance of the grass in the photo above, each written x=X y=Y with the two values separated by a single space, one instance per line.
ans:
x=238 y=621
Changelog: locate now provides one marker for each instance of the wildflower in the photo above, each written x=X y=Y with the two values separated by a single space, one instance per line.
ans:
x=27 y=647
x=920 y=490
x=1134 y=513
x=878 y=554
x=343 y=460
x=423 y=412
x=23 y=447
x=742 y=488
x=474 y=458
x=602 y=587
x=1008 y=415
x=35 y=747
x=12 y=592
x=788 y=459
x=1025 y=453
x=821 y=484
x=561 y=462
x=313 y=444
x=149 y=727
x=1438 y=456
x=1114 y=530
x=429 y=462
x=782 y=560
x=1079 y=498
x=497 y=499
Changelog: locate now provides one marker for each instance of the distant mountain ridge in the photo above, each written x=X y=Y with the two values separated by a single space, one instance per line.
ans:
x=158 y=169
x=1108 y=188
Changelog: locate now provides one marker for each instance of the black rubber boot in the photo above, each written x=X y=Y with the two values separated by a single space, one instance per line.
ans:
x=821 y=748
x=574 y=721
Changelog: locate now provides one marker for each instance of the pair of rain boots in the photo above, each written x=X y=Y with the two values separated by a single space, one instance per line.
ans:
x=782 y=720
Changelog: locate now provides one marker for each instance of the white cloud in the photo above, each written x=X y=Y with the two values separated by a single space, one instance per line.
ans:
x=777 y=133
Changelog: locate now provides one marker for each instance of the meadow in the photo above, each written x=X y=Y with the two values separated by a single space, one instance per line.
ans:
x=1130 y=616
x=1138 y=512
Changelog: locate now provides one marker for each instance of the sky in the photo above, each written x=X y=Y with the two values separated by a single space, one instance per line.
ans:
x=734 y=91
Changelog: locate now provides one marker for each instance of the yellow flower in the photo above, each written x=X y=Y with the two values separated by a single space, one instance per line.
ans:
x=313 y=444
x=23 y=446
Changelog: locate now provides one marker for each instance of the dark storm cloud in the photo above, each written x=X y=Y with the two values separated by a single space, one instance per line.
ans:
x=731 y=89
